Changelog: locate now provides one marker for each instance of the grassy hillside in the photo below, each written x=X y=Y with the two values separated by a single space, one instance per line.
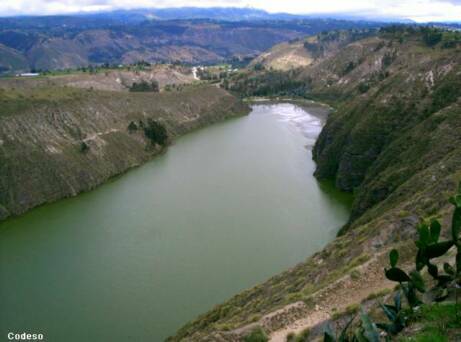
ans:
x=58 y=140
x=394 y=140
x=107 y=78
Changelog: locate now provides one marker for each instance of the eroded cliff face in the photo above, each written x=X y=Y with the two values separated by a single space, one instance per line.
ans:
x=43 y=131
x=398 y=132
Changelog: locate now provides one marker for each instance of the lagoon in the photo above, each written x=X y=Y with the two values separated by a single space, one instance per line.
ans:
x=224 y=209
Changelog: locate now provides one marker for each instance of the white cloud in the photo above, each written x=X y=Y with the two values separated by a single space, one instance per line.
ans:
x=418 y=10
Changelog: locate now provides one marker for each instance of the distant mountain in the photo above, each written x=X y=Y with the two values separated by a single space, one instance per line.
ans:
x=219 y=13
x=215 y=13
x=124 y=37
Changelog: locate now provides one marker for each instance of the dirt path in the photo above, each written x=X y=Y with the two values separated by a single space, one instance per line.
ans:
x=96 y=135
x=345 y=292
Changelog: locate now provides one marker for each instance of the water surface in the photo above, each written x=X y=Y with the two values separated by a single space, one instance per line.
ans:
x=224 y=209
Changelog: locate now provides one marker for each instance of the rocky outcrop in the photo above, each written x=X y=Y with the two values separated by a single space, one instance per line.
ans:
x=74 y=140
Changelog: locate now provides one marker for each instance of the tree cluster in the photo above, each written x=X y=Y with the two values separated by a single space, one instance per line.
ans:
x=145 y=86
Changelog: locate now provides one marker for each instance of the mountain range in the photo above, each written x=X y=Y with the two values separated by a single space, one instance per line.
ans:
x=186 y=35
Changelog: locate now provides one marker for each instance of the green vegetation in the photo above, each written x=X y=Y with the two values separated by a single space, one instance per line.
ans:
x=436 y=323
x=132 y=127
x=215 y=73
x=259 y=67
x=364 y=87
x=428 y=247
x=270 y=83
x=156 y=133
x=365 y=332
x=316 y=50
x=84 y=147
x=17 y=99
x=446 y=92
x=144 y=86
x=257 y=335
x=303 y=336
x=431 y=36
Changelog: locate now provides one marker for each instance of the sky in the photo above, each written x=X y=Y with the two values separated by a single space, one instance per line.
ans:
x=417 y=10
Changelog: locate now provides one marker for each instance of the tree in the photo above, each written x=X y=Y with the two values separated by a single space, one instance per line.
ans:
x=132 y=127
x=431 y=36
x=145 y=86
x=259 y=67
x=156 y=133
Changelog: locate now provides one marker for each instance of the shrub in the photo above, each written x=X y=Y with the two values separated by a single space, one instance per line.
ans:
x=257 y=335
x=145 y=86
x=388 y=58
x=302 y=337
x=156 y=133
x=259 y=67
x=364 y=87
x=431 y=36
x=446 y=93
x=84 y=147
x=132 y=127
x=349 y=67
x=291 y=337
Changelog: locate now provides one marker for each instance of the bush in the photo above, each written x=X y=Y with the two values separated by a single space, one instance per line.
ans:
x=388 y=58
x=431 y=36
x=84 y=147
x=257 y=335
x=271 y=83
x=259 y=67
x=145 y=86
x=446 y=93
x=132 y=127
x=156 y=133
x=364 y=87
x=302 y=337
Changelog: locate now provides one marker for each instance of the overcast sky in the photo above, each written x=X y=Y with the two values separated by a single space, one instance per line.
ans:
x=418 y=10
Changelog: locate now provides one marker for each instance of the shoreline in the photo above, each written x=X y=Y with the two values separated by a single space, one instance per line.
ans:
x=318 y=109
x=142 y=161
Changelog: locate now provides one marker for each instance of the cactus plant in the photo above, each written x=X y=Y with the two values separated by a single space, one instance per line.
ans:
x=329 y=336
x=408 y=283
x=429 y=247
x=395 y=315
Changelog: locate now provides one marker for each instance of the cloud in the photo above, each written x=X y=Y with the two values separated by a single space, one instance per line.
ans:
x=418 y=10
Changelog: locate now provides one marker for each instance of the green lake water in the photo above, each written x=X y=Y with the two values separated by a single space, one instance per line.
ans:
x=224 y=209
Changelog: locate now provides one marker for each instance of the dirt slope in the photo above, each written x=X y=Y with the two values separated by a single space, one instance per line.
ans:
x=42 y=129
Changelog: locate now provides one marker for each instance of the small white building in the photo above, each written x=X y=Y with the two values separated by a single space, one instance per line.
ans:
x=28 y=74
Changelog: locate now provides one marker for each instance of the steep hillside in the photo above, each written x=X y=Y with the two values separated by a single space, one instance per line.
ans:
x=397 y=126
x=303 y=52
x=49 y=43
x=394 y=140
x=284 y=57
x=11 y=60
x=57 y=141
